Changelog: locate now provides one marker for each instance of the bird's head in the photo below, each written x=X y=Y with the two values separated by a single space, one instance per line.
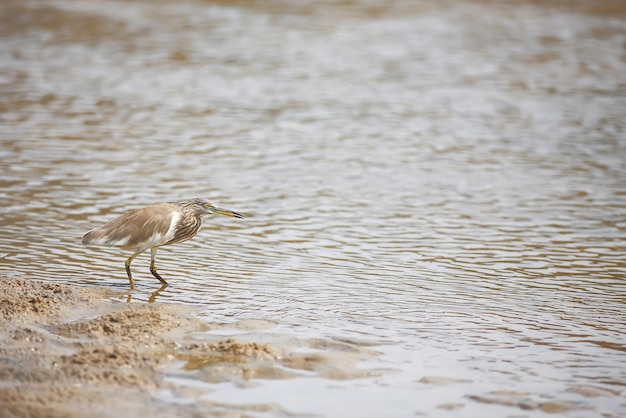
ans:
x=206 y=207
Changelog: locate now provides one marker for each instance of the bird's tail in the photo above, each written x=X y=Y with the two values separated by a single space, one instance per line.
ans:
x=95 y=236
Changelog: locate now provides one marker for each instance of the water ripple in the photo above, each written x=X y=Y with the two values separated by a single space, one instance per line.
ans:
x=456 y=192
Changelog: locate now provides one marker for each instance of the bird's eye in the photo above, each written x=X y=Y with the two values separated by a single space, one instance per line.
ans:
x=208 y=206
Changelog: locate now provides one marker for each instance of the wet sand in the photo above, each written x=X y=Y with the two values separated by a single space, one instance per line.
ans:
x=67 y=351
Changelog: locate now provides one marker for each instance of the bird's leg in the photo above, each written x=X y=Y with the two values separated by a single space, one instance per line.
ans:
x=153 y=251
x=130 y=276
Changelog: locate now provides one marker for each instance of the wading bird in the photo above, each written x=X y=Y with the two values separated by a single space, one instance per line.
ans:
x=154 y=226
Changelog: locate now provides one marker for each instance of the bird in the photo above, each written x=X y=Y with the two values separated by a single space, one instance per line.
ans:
x=154 y=226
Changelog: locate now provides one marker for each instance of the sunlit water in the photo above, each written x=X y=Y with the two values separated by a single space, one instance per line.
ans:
x=442 y=184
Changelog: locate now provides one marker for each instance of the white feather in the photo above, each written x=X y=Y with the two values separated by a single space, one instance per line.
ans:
x=159 y=239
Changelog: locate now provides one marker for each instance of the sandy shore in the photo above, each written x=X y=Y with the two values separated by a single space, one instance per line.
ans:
x=69 y=352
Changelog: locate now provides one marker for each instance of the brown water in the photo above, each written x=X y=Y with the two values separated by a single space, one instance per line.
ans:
x=443 y=183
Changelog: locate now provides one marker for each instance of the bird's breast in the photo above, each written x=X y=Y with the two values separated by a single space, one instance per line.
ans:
x=185 y=228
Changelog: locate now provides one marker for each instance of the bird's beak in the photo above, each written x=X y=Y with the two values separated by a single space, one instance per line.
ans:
x=228 y=212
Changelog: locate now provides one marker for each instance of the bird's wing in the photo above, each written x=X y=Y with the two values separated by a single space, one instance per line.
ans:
x=139 y=229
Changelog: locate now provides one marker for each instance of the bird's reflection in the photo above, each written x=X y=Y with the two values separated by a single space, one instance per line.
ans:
x=152 y=297
x=156 y=293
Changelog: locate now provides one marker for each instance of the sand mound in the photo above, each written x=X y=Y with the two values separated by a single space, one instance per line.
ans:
x=28 y=299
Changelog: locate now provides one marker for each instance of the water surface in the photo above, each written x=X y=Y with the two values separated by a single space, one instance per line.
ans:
x=438 y=185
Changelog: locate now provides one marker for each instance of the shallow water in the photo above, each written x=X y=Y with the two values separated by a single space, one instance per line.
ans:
x=439 y=185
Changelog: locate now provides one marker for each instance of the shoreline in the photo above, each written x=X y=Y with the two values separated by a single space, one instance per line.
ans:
x=67 y=351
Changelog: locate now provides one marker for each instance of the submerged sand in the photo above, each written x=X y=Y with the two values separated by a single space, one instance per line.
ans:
x=67 y=351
